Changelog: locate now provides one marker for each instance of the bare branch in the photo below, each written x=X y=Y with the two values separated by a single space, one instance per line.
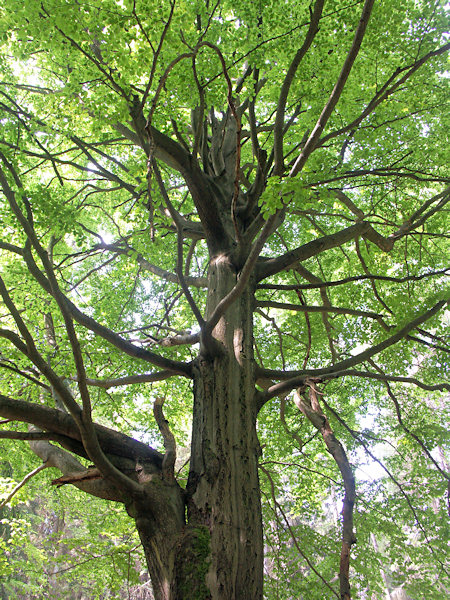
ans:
x=180 y=273
x=272 y=266
x=130 y=379
x=30 y=436
x=170 y=455
x=311 y=408
x=158 y=50
x=11 y=248
x=319 y=309
x=69 y=466
x=384 y=92
x=356 y=278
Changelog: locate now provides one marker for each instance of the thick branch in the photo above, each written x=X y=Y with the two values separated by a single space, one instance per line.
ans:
x=69 y=466
x=293 y=67
x=328 y=109
x=312 y=410
x=271 y=266
x=58 y=422
x=174 y=155
x=295 y=379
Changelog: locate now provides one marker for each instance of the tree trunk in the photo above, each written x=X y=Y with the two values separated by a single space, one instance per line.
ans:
x=218 y=554
x=223 y=484
x=160 y=524
x=223 y=488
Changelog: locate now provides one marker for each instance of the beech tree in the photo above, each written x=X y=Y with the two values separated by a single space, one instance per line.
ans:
x=223 y=225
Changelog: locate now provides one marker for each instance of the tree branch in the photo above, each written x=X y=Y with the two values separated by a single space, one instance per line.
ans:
x=58 y=422
x=271 y=266
x=70 y=466
x=383 y=377
x=297 y=378
x=170 y=446
x=291 y=532
x=20 y=485
x=312 y=410
x=398 y=412
x=329 y=107
x=201 y=187
x=130 y=379
x=384 y=92
x=80 y=317
x=356 y=278
x=278 y=127
x=318 y=309
x=179 y=226
x=390 y=475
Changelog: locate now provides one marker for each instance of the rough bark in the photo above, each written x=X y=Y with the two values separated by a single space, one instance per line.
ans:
x=159 y=518
x=217 y=554
x=223 y=487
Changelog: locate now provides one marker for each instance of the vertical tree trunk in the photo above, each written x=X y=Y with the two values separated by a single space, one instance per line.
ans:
x=223 y=487
x=218 y=554
x=160 y=523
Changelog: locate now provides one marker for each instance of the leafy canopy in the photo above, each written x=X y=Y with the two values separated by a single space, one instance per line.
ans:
x=77 y=77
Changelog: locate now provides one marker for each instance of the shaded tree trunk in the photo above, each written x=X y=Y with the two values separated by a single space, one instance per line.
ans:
x=218 y=553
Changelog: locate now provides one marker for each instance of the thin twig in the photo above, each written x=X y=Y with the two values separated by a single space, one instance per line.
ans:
x=21 y=484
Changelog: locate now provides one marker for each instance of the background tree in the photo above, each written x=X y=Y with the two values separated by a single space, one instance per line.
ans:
x=57 y=545
x=250 y=201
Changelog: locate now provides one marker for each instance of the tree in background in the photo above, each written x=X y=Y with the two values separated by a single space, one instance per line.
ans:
x=57 y=545
x=235 y=214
